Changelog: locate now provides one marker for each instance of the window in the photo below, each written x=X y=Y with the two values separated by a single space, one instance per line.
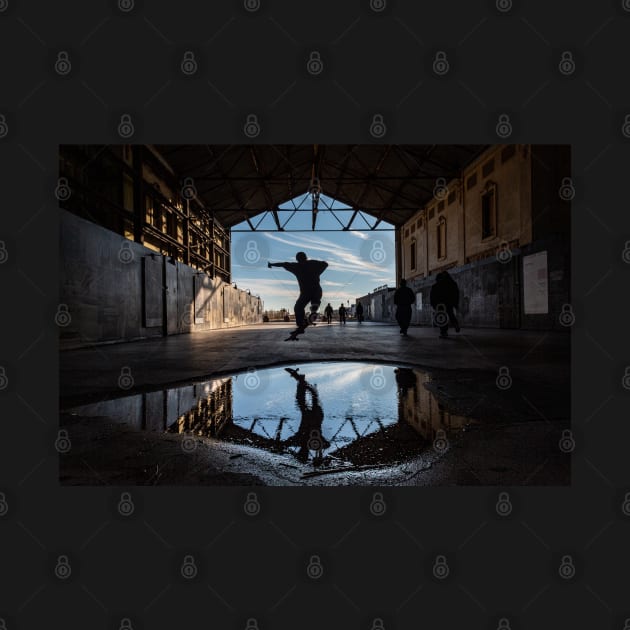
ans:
x=440 y=206
x=127 y=192
x=441 y=238
x=471 y=181
x=451 y=198
x=487 y=168
x=431 y=213
x=148 y=205
x=507 y=153
x=489 y=212
x=412 y=254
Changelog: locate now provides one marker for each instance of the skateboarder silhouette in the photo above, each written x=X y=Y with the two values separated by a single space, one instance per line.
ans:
x=307 y=273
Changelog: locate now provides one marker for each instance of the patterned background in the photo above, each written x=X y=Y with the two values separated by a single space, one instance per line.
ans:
x=377 y=58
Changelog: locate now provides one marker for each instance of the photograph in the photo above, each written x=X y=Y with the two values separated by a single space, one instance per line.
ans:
x=315 y=314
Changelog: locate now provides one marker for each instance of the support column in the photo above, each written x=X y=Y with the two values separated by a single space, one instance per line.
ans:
x=138 y=193
x=187 y=233
x=398 y=246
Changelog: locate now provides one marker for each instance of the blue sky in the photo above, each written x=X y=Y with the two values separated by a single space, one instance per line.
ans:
x=358 y=261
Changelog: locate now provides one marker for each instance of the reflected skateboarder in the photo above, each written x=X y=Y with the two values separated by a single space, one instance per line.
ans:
x=309 y=436
x=307 y=273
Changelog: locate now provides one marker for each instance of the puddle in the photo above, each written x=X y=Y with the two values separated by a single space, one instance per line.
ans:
x=327 y=414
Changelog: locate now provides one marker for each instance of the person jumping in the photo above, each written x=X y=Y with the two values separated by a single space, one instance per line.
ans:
x=307 y=273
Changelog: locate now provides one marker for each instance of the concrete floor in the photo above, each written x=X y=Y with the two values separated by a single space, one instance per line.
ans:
x=91 y=374
x=514 y=442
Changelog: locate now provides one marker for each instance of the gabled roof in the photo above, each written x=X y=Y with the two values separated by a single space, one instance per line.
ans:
x=390 y=182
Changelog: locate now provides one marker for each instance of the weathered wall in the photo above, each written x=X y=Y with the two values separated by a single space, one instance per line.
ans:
x=491 y=292
x=114 y=290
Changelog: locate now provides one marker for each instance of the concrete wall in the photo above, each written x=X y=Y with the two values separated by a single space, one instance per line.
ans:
x=114 y=290
x=491 y=291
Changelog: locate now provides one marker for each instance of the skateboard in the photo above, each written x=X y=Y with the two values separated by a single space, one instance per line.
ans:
x=310 y=321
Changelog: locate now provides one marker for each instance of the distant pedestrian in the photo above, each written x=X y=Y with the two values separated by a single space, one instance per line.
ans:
x=359 y=312
x=342 y=314
x=328 y=312
x=404 y=297
x=444 y=298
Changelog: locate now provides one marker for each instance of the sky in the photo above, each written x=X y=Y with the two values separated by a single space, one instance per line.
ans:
x=358 y=261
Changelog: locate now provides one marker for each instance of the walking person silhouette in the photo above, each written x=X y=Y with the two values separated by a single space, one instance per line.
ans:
x=307 y=273
x=359 y=312
x=342 y=314
x=445 y=295
x=404 y=297
x=328 y=311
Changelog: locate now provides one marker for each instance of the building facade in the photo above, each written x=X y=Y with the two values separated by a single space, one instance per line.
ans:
x=502 y=229
x=140 y=255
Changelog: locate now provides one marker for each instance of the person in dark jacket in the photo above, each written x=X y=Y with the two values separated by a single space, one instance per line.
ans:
x=359 y=312
x=404 y=297
x=444 y=298
x=342 y=314
x=328 y=312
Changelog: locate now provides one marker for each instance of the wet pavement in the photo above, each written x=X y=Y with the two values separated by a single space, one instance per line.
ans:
x=326 y=423
x=94 y=373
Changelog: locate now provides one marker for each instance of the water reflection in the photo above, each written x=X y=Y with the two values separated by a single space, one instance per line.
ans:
x=347 y=412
